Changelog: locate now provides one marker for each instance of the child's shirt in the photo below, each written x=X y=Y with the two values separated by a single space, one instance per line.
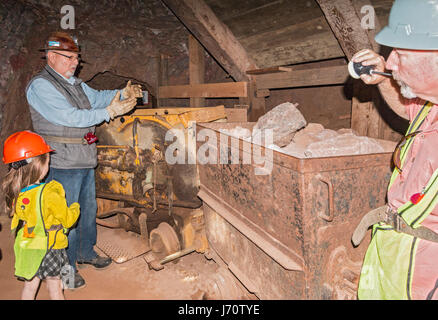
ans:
x=56 y=214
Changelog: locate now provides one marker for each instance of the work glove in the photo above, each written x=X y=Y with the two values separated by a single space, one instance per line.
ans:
x=118 y=107
x=132 y=91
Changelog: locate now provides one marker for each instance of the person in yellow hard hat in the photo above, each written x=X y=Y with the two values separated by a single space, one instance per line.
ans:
x=402 y=264
x=39 y=211
x=64 y=111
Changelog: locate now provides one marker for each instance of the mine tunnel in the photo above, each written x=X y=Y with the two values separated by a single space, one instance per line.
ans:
x=251 y=152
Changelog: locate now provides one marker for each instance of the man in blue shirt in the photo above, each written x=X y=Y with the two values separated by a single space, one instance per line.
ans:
x=64 y=110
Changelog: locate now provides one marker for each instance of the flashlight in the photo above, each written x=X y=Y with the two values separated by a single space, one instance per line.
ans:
x=356 y=69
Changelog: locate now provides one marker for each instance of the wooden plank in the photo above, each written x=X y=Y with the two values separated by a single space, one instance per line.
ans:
x=303 y=78
x=256 y=105
x=162 y=76
x=296 y=43
x=203 y=115
x=262 y=93
x=214 y=35
x=171 y=111
x=236 y=114
x=196 y=68
x=206 y=90
x=268 y=70
x=227 y=10
x=271 y=16
x=360 y=111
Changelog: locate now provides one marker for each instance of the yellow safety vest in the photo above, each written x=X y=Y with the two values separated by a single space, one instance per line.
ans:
x=390 y=258
x=31 y=249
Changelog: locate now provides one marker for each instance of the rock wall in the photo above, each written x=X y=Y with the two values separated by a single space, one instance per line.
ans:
x=120 y=40
x=15 y=21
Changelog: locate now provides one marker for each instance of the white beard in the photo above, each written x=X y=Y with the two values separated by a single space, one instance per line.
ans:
x=69 y=74
x=405 y=90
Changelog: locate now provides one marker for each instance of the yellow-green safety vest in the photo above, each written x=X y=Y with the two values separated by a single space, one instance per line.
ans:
x=389 y=262
x=30 y=252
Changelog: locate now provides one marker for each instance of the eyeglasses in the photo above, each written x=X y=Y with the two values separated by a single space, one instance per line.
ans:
x=71 y=58
x=396 y=155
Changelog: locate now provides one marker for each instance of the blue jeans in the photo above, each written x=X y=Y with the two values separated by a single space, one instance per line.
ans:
x=79 y=186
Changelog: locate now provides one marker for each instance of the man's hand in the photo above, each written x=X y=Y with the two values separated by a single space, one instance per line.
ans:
x=368 y=57
x=388 y=88
x=118 y=108
x=132 y=91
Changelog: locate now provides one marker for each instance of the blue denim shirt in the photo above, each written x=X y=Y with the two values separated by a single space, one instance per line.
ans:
x=53 y=106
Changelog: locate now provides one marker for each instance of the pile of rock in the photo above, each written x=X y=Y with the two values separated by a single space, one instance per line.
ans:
x=293 y=136
x=314 y=141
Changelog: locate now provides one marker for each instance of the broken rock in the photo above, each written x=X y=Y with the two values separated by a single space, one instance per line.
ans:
x=344 y=144
x=284 y=120
x=315 y=141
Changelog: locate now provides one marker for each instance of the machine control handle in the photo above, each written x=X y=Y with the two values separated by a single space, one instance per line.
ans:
x=331 y=215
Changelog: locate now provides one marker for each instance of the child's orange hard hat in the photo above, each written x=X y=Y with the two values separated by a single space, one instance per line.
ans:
x=24 y=145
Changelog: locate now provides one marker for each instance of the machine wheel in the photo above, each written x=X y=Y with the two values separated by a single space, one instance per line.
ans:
x=164 y=241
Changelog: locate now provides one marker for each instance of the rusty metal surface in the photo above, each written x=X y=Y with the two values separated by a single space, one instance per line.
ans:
x=310 y=206
x=185 y=229
x=262 y=276
x=131 y=162
x=222 y=285
x=121 y=246
x=282 y=254
x=164 y=240
x=135 y=169
x=136 y=186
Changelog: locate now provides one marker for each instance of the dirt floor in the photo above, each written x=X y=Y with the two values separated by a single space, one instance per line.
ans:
x=193 y=277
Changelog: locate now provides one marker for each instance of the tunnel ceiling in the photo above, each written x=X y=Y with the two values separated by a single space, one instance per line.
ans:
x=273 y=32
x=282 y=32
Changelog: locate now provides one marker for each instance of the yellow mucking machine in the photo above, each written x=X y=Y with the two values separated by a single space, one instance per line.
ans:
x=140 y=192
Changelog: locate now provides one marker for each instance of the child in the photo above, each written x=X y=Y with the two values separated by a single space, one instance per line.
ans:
x=39 y=211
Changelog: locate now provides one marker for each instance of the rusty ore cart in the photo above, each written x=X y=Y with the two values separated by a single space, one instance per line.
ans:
x=287 y=235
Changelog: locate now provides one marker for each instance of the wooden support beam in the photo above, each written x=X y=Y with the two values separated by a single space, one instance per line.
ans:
x=168 y=111
x=345 y=21
x=361 y=109
x=303 y=78
x=366 y=119
x=221 y=44
x=196 y=68
x=262 y=93
x=232 y=114
x=162 y=76
x=206 y=90
x=255 y=103
x=214 y=35
x=268 y=70
x=236 y=114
